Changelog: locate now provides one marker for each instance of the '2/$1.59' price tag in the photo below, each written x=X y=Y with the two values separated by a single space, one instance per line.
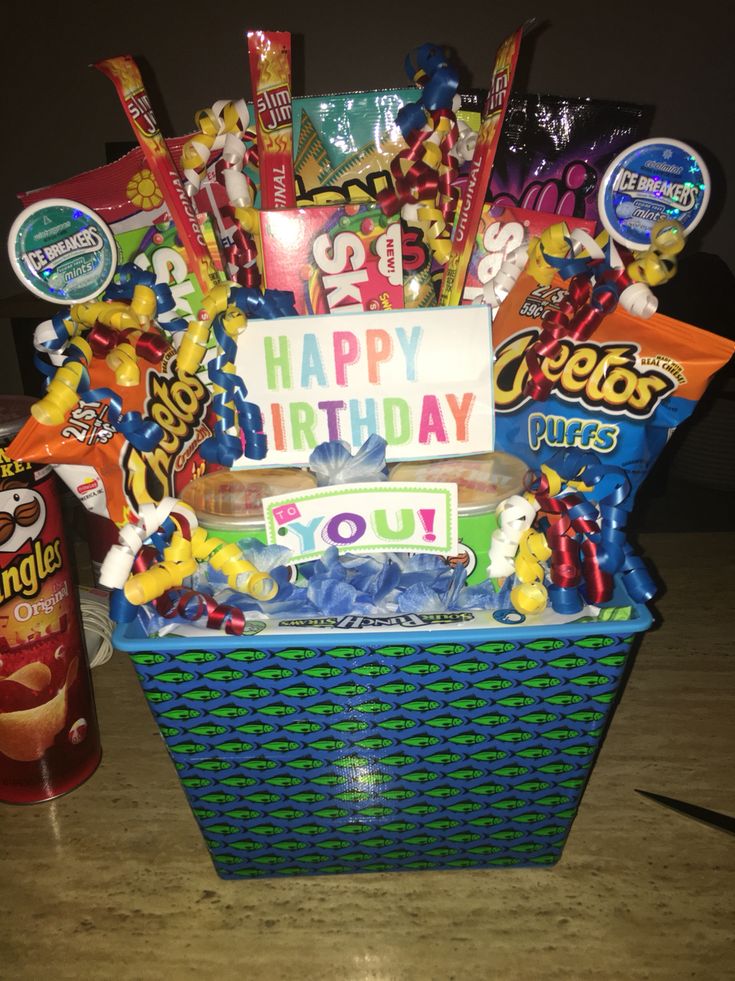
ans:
x=389 y=517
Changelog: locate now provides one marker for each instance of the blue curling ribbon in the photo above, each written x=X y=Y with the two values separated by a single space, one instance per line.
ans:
x=47 y=369
x=129 y=276
x=230 y=404
x=442 y=82
x=263 y=306
x=568 y=266
x=162 y=536
x=565 y=599
x=121 y=609
x=142 y=434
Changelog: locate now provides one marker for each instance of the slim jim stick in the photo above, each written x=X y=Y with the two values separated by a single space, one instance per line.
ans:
x=270 y=78
x=125 y=76
x=493 y=113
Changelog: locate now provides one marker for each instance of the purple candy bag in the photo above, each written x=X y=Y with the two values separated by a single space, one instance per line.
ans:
x=553 y=151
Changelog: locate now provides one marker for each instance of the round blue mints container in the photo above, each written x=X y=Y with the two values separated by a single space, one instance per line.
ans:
x=652 y=180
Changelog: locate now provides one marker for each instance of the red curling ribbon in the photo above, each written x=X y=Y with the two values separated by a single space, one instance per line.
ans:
x=190 y=605
x=576 y=319
x=177 y=603
x=102 y=339
x=241 y=256
x=149 y=345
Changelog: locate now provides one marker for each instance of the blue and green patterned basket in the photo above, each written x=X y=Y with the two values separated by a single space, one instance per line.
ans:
x=386 y=749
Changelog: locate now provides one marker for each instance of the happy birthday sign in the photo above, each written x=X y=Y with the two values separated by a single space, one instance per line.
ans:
x=422 y=379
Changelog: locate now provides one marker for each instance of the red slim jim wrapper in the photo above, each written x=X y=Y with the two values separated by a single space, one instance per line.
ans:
x=125 y=76
x=270 y=77
x=49 y=742
x=473 y=197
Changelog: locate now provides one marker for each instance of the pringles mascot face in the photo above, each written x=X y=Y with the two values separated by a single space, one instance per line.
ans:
x=22 y=515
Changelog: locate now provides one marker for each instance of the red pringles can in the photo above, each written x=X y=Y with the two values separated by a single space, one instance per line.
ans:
x=49 y=741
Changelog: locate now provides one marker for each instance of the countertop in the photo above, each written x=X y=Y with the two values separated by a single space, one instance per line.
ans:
x=114 y=881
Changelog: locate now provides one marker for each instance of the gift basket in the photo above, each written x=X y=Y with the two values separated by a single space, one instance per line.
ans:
x=368 y=383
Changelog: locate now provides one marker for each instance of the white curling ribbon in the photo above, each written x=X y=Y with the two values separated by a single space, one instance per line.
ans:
x=43 y=336
x=501 y=555
x=118 y=563
x=582 y=241
x=222 y=141
x=639 y=300
x=464 y=148
x=516 y=513
x=514 y=516
x=410 y=212
x=233 y=151
x=505 y=278
x=237 y=187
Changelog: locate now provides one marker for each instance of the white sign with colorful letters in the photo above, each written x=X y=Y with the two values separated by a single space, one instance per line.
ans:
x=422 y=379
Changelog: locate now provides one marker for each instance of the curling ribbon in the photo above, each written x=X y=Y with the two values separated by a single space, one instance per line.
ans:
x=424 y=171
x=496 y=289
x=225 y=127
x=187 y=605
x=228 y=559
x=587 y=536
x=169 y=514
x=595 y=287
x=514 y=516
x=657 y=264
x=190 y=606
x=529 y=595
x=112 y=330
x=238 y=429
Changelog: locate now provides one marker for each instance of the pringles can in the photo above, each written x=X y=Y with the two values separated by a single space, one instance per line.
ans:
x=49 y=741
x=482 y=481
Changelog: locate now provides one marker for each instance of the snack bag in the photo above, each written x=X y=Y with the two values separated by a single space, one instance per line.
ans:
x=553 y=151
x=619 y=394
x=99 y=463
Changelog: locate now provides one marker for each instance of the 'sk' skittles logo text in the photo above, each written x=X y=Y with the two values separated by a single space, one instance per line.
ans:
x=600 y=376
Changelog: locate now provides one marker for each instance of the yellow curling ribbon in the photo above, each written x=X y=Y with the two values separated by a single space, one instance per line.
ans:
x=530 y=596
x=195 y=342
x=248 y=218
x=214 y=124
x=554 y=480
x=553 y=241
x=227 y=558
x=124 y=362
x=61 y=395
x=657 y=264
x=144 y=587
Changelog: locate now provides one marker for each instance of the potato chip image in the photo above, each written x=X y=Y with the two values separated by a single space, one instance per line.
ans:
x=27 y=734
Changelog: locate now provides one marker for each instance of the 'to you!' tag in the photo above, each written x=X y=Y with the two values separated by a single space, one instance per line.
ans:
x=390 y=517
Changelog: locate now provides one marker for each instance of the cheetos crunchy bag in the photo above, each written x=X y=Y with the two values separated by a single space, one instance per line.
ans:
x=128 y=446
x=619 y=394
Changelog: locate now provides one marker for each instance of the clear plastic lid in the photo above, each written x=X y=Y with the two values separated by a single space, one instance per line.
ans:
x=482 y=481
x=234 y=499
